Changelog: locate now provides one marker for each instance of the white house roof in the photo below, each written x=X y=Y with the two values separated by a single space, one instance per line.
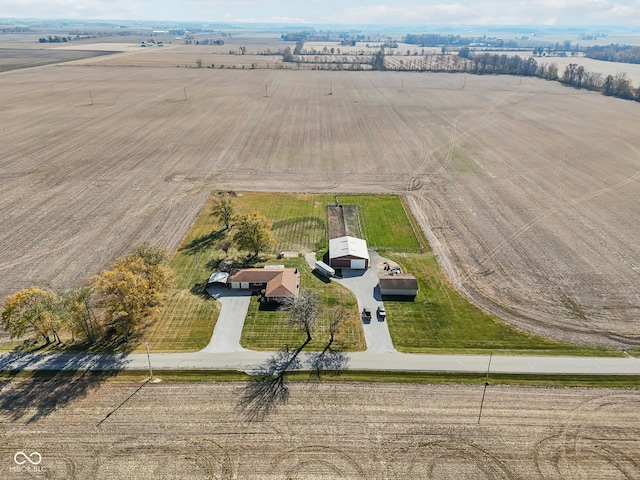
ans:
x=348 y=246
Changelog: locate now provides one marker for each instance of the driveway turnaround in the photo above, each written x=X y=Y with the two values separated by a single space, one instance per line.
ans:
x=364 y=285
x=233 y=311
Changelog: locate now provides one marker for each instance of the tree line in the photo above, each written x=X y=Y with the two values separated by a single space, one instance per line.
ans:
x=614 y=53
x=54 y=39
x=105 y=312
x=440 y=40
x=466 y=61
x=574 y=75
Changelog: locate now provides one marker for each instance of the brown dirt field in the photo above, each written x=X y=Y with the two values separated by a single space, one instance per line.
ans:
x=372 y=431
x=343 y=220
x=14 y=58
x=187 y=55
x=527 y=189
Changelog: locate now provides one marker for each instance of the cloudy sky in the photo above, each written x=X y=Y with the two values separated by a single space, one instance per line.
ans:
x=401 y=12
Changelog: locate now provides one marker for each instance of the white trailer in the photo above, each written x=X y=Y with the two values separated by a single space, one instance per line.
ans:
x=324 y=269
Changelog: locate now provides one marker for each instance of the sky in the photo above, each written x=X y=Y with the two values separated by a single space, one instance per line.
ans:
x=400 y=12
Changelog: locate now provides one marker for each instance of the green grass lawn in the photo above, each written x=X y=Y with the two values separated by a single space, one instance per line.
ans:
x=185 y=324
x=268 y=329
x=385 y=225
x=299 y=220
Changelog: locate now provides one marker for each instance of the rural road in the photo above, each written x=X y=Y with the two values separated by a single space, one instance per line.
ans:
x=224 y=351
x=248 y=360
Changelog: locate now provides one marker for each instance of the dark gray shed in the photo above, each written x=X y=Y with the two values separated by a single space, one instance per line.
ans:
x=404 y=285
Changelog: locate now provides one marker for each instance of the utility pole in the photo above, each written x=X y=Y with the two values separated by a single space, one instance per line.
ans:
x=149 y=359
x=486 y=384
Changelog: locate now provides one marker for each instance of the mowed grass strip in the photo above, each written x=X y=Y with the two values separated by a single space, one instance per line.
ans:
x=442 y=320
x=269 y=329
x=384 y=222
x=184 y=324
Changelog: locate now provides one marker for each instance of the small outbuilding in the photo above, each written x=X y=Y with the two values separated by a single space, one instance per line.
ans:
x=218 y=277
x=404 y=285
x=348 y=252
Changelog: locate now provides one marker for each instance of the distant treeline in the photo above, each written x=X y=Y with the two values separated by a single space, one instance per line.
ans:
x=15 y=30
x=614 y=53
x=438 y=40
x=500 y=64
x=54 y=39
x=574 y=75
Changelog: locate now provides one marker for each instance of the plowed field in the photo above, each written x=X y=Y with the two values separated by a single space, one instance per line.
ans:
x=367 y=431
x=528 y=190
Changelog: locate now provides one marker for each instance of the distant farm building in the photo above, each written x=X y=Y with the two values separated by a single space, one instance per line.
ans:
x=278 y=283
x=404 y=285
x=348 y=252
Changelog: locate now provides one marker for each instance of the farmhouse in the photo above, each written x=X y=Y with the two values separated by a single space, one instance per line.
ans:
x=279 y=283
x=404 y=285
x=348 y=252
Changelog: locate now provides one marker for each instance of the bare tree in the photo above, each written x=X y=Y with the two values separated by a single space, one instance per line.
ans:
x=268 y=388
x=303 y=313
x=331 y=358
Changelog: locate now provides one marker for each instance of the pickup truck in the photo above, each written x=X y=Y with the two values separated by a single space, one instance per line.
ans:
x=366 y=314
x=382 y=312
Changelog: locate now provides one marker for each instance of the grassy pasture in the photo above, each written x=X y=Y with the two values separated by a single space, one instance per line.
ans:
x=184 y=325
x=186 y=321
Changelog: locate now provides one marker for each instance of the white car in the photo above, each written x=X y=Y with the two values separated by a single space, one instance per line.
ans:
x=382 y=312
